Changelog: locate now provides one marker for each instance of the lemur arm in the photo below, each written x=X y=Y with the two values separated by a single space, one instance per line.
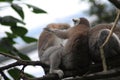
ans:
x=63 y=34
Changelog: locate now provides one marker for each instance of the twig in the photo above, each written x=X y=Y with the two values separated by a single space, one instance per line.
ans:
x=20 y=62
x=108 y=37
x=21 y=71
x=10 y=56
x=23 y=62
x=3 y=75
x=46 y=77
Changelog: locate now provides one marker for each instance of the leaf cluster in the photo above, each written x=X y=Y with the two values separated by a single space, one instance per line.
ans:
x=7 y=42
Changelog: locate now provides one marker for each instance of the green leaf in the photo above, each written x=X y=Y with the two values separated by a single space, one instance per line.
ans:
x=28 y=39
x=29 y=75
x=23 y=56
x=18 y=9
x=8 y=42
x=36 y=9
x=10 y=21
x=20 y=31
x=14 y=73
x=6 y=45
x=10 y=35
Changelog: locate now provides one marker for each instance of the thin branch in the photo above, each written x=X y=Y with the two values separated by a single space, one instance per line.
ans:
x=10 y=56
x=113 y=27
x=46 y=77
x=108 y=37
x=3 y=75
x=20 y=62
x=25 y=63
x=21 y=71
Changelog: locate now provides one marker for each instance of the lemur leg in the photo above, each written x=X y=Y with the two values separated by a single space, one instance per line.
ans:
x=55 y=61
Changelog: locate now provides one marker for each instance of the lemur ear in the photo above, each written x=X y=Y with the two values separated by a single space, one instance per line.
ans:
x=76 y=21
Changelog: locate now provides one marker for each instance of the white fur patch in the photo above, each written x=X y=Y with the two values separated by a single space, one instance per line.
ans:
x=76 y=21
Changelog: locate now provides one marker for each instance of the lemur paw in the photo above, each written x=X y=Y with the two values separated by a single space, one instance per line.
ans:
x=59 y=72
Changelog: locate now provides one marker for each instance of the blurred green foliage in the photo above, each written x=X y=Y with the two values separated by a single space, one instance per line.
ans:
x=104 y=11
x=7 y=43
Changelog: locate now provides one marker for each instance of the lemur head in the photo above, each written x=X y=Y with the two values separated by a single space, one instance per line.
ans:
x=82 y=20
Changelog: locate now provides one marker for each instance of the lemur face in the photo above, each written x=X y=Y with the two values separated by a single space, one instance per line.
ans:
x=76 y=21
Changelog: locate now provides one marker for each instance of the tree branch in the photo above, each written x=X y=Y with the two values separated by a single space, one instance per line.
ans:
x=92 y=75
x=3 y=75
x=99 y=75
x=46 y=77
x=10 y=56
x=23 y=62
x=20 y=62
